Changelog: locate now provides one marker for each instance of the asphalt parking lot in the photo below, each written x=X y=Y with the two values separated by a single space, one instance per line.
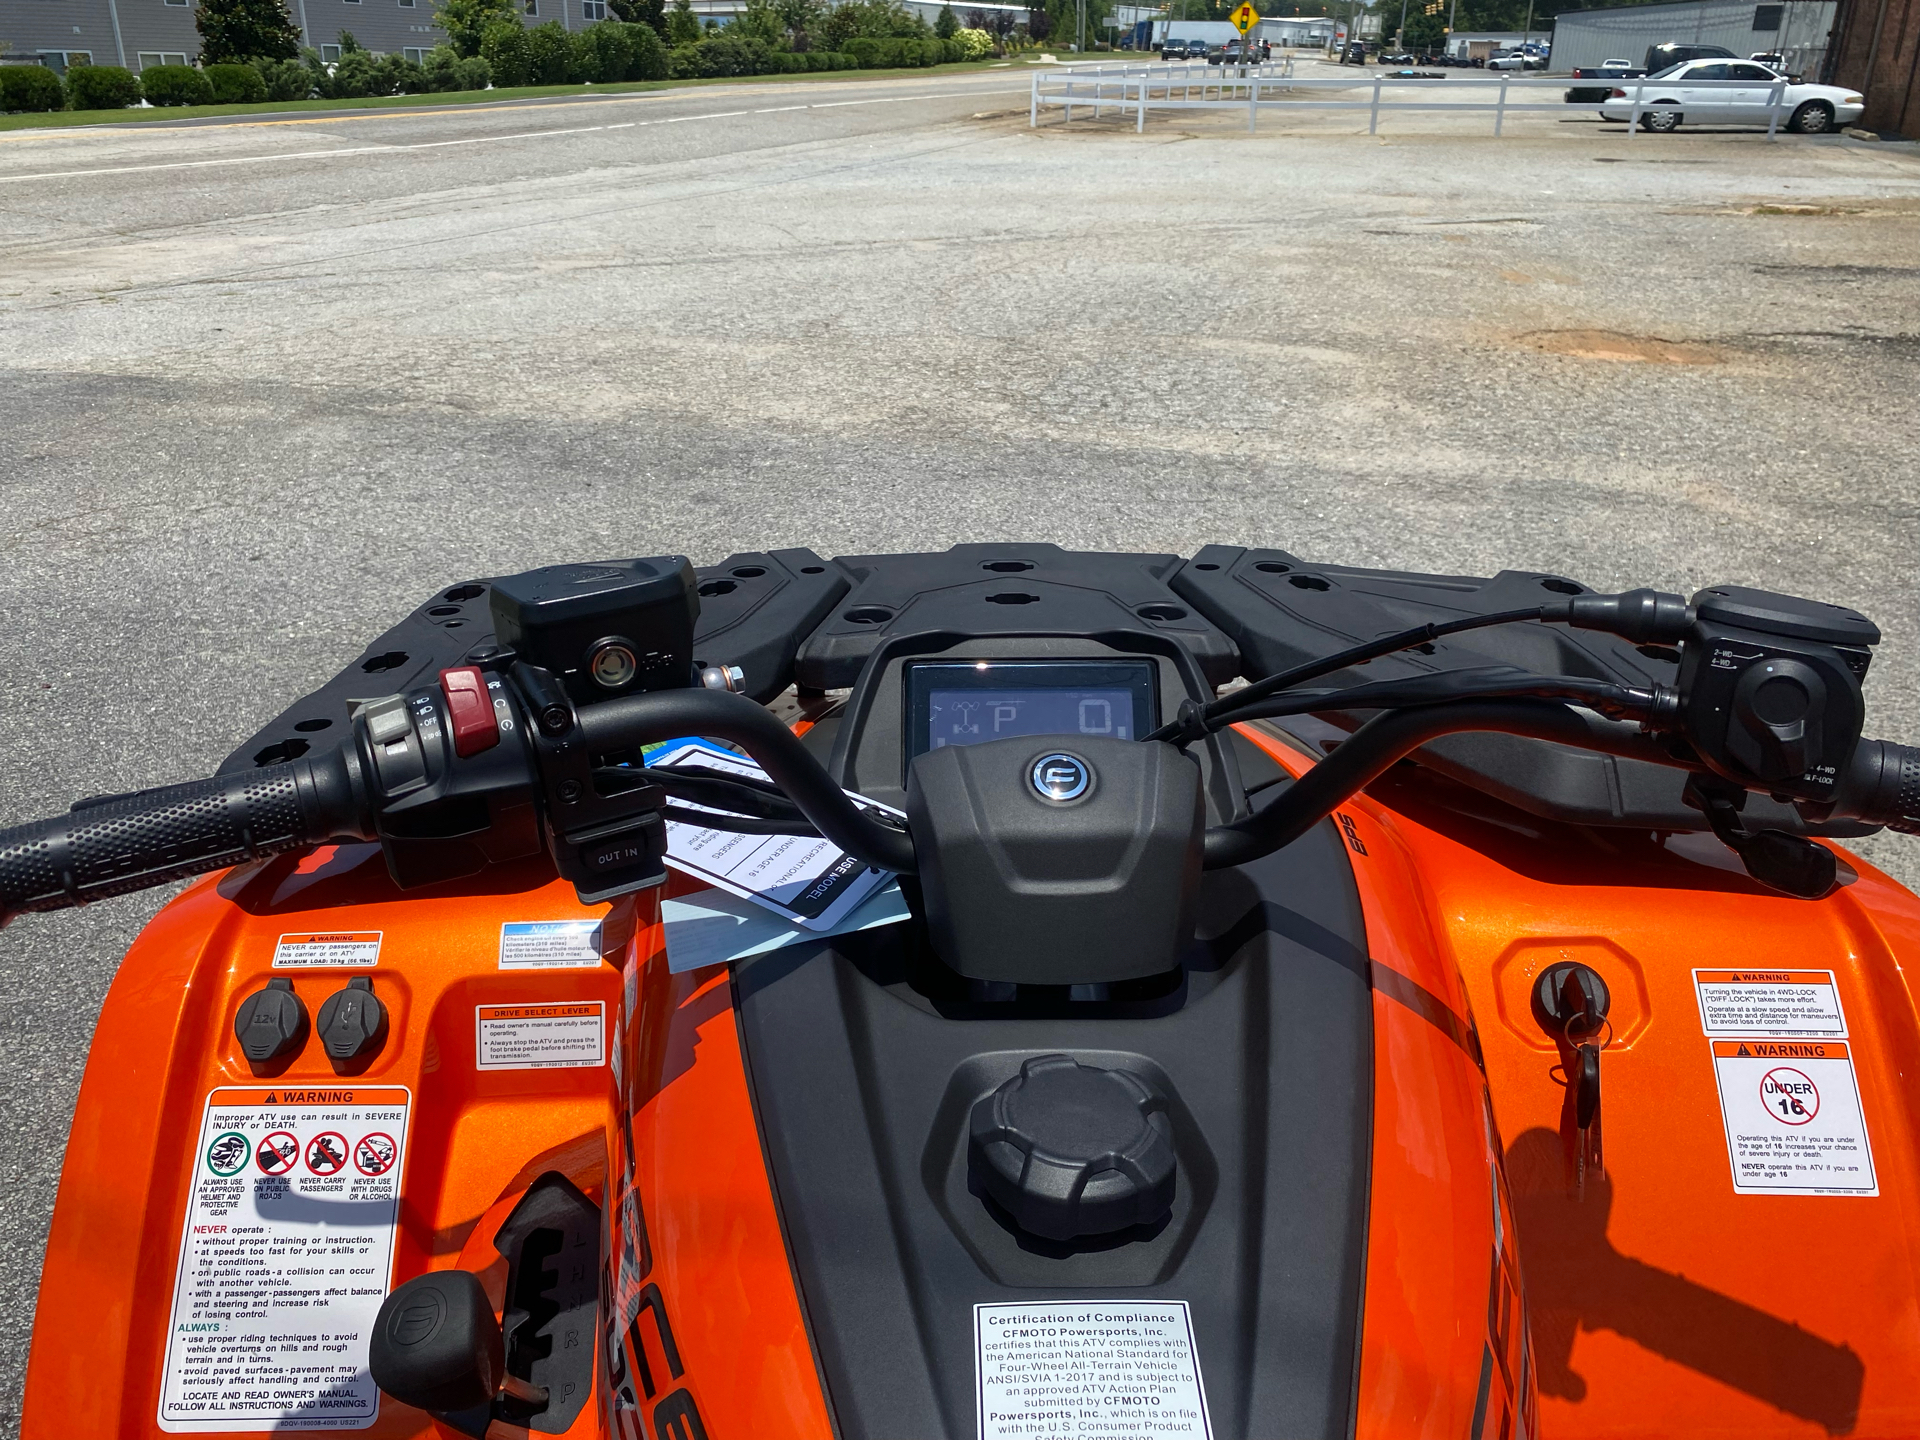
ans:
x=266 y=386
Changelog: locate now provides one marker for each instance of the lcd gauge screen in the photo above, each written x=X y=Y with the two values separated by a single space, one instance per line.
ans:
x=974 y=702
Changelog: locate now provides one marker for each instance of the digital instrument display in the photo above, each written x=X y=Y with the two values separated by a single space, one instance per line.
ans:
x=973 y=702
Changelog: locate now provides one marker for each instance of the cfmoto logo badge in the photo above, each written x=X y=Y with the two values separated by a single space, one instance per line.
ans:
x=1060 y=777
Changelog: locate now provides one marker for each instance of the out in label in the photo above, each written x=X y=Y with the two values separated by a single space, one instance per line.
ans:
x=1793 y=1118
x=1091 y=1369
x=285 y=1259
x=1775 y=1004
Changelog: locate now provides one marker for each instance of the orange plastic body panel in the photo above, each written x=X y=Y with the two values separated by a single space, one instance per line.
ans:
x=1443 y=1338
x=1664 y=1303
x=476 y=1138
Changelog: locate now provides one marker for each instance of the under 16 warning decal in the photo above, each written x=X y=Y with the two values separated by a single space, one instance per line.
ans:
x=1793 y=1118
x=286 y=1257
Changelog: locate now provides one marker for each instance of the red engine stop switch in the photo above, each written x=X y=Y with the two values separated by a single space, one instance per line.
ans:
x=474 y=726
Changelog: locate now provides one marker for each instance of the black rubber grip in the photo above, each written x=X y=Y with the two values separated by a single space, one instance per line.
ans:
x=132 y=842
x=1883 y=785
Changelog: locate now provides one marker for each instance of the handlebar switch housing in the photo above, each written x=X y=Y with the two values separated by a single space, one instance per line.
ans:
x=1770 y=689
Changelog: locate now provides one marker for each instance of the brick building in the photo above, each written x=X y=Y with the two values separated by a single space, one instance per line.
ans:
x=1877 y=52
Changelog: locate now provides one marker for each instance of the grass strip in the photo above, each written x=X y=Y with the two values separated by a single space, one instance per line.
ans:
x=59 y=119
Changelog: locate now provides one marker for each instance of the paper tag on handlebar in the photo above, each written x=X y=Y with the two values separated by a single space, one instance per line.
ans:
x=812 y=882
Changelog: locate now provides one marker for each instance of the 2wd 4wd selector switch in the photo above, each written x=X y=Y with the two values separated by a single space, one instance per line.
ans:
x=353 y=1024
x=271 y=1023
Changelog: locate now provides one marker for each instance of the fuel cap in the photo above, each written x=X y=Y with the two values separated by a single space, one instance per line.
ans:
x=353 y=1022
x=271 y=1022
x=1070 y=1149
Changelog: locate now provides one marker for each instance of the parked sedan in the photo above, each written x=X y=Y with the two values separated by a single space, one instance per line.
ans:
x=1731 y=92
x=1612 y=71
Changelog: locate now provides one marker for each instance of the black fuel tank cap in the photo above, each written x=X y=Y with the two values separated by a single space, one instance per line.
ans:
x=1070 y=1149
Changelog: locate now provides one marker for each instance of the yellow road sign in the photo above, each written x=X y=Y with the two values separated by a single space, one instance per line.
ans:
x=1245 y=18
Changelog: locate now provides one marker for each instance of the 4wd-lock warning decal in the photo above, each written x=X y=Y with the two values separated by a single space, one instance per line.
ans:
x=285 y=1259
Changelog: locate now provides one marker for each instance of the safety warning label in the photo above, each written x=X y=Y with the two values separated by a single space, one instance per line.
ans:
x=539 y=1037
x=549 y=944
x=1093 y=1369
x=1777 y=1004
x=286 y=1256
x=1793 y=1118
x=353 y=950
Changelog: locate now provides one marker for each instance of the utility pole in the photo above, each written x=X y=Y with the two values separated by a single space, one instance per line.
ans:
x=1080 y=11
x=1400 y=39
x=1453 y=20
x=1528 y=36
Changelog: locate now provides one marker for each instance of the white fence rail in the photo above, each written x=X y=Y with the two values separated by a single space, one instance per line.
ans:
x=1253 y=88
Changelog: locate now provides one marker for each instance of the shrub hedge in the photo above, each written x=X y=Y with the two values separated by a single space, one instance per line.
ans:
x=235 y=84
x=904 y=52
x=176 y=85
x=285 y=79
x=102 y=87
x=31 y=88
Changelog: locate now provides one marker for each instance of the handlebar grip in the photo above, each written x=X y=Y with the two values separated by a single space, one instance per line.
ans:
x=1883 y=785
x=131 y=842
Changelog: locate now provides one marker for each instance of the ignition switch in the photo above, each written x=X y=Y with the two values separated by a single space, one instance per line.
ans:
x=1570 y=1002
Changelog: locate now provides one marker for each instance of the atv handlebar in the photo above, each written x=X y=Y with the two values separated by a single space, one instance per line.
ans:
x=121 y=843
x=118 y=844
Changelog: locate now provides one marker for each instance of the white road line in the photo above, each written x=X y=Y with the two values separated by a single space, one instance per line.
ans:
x=479 y=139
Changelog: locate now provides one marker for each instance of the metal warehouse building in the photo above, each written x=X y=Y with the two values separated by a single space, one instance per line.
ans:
x=139 y=33
x=1797 y=29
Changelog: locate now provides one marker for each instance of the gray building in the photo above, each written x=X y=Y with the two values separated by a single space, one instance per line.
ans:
x=139 y=33
x=1796 y=29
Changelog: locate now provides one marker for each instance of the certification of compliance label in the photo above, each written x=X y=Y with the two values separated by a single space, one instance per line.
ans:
x=1777 y=1004
x=285 y=1259
x=1092 y=1369
x=1793 y=1118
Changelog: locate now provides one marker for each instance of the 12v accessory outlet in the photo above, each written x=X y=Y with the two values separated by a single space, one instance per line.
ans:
x=271 y=1023
x=1069 y=1149
x=353 y=1024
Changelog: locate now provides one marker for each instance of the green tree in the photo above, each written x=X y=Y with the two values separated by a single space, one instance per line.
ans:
x=467 y=22
x=504 y=48
x=235 y=31
x=761 y=21
x=682 y=28
x=945 y=25
x=642 y=12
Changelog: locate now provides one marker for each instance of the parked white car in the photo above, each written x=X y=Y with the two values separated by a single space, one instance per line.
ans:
x=1730 y=92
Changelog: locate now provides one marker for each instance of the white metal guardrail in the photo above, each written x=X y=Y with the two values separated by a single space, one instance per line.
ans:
x=1274 y=86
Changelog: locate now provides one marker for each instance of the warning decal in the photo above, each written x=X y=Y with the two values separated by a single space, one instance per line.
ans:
x=1094 y=1369
x=354 y=950
x=285 y=1259
x=1793 y=1118
x=1779 y=1004
x=540 y=1037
